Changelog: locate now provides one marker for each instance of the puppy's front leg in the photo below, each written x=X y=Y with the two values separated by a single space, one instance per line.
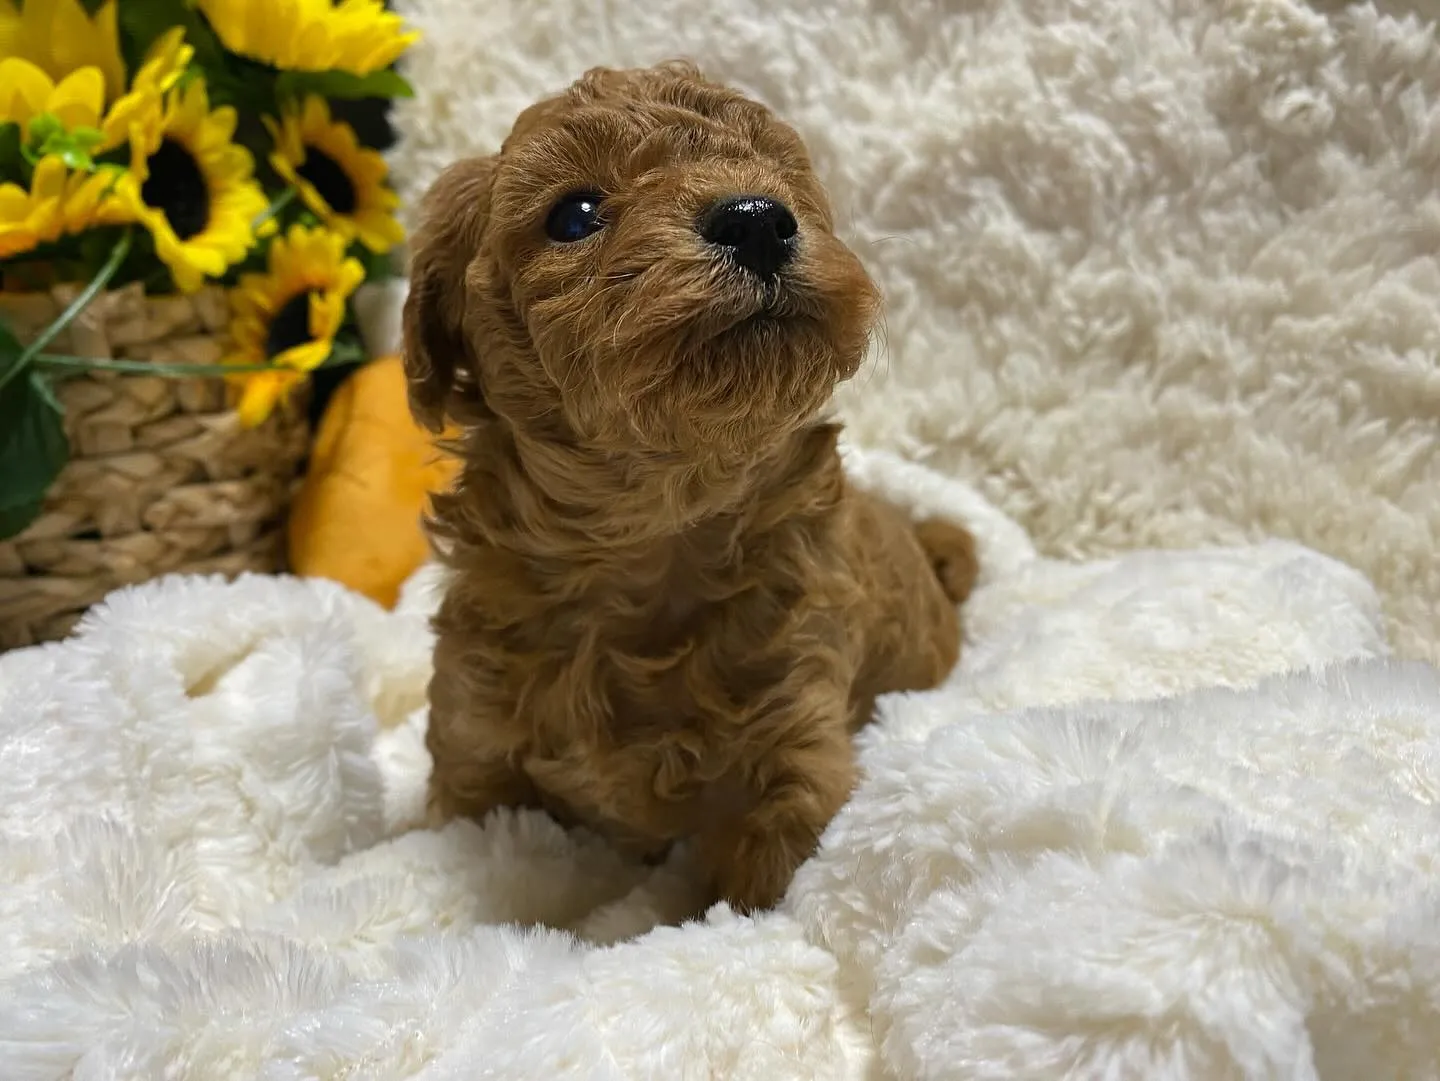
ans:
x=472 y=787
x=473 y=769
x=783 y=797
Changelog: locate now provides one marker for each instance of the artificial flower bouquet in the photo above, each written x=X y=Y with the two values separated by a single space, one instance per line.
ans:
x=188 y=162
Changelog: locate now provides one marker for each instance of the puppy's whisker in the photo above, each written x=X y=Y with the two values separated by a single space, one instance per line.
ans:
x=894 y=238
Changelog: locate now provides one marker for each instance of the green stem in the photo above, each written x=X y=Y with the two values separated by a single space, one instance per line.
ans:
x=77 y=365
x=144 y=367
x=281 y=202
x=78 y=305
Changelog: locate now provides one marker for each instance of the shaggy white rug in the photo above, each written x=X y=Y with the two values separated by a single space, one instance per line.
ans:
x=207 y=801
x=1159 y=272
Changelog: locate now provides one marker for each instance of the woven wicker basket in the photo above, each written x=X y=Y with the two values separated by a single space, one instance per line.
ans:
x=162 y=478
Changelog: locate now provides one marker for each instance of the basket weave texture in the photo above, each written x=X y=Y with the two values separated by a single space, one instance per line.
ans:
x=162 y=478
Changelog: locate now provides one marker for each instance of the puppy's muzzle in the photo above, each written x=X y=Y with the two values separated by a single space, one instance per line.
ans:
x=756 y=233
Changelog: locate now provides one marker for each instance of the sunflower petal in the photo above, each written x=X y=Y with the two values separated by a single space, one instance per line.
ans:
x=257 y=401
x=14 y=201
x=25 y=90
x=315 y=113
x=48 y=181
x=307 y=356
x=79 y=98
x=76 y=40
x=165 y=61
x=10 y=33
x=356 y=36
x=379 y=231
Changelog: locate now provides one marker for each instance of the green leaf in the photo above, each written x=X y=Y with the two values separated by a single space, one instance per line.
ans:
x=33 y=450
x=10 y=353
x=44 y=126
x=142 y=23
x=341 y=85
x=343 y=351
x=378 y=265
x=48 y=136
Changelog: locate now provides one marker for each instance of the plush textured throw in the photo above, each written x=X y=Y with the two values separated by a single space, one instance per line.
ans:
x=1158 y=272
x=1161 y=273
x=207 y=802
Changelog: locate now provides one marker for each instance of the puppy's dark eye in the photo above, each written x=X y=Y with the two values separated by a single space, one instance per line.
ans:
x=574 y=218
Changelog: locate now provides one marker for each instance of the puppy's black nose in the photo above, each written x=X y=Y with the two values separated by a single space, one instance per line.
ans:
x=757 y=232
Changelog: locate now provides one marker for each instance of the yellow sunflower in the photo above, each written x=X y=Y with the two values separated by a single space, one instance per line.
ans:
x=58 y=60
x=59 y=37
x=193 y=188
x=90 y=200
x=27 y=91
x=58 y=201
x=341 y=182
x=30 y=218
x=142 y=106
x=354 y=36
x=289 y=315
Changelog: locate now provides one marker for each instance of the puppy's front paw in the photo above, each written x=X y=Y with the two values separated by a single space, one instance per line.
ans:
x=751 y=865
x=472 y=789
x=438 y=810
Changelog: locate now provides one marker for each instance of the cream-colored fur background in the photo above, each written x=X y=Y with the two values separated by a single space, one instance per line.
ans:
x=1158 y=273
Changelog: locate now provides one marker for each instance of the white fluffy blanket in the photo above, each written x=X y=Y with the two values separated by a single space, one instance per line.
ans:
x=206 y=802
x=1158 y=273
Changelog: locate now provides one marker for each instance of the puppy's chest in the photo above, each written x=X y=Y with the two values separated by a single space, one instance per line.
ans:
x=637 y=724
x=671 y=670
x=639 y=699
x=689 y=661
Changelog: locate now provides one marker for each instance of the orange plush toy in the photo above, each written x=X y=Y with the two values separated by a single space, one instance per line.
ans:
x=356 y=519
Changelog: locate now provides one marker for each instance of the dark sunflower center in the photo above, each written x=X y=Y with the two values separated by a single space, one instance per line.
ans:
x=177 y=187
x=328 y=178
x=290 y=327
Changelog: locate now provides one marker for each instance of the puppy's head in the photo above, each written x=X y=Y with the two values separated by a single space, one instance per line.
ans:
x=649 y=263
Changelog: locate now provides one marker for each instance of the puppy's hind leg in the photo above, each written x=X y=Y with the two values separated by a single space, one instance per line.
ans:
x=950 y=548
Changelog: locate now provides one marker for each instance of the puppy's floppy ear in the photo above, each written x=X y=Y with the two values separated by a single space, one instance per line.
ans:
x=440 y=364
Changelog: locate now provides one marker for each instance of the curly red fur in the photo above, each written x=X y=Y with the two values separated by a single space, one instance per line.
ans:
x=668 y=610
